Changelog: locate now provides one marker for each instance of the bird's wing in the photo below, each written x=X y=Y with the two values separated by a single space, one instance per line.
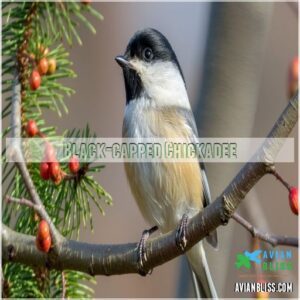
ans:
x=212 y=238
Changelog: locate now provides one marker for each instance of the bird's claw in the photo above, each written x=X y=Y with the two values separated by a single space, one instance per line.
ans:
x=180 y=239
x=141 y=250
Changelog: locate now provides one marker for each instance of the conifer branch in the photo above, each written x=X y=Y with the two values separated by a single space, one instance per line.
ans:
x=17 y=156
x=34 y=61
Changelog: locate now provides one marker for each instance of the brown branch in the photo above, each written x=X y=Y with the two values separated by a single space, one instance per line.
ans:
x=25 y=202
x=122 y=258
x=81 y=173
x=278 y=177
x=274 y=240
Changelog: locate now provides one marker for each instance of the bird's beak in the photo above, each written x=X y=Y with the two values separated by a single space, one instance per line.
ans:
x=123 y=62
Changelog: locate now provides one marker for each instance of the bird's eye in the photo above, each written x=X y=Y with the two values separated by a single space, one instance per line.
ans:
x=147 y=54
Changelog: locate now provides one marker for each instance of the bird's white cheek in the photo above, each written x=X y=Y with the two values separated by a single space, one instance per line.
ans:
x=162 y=83
x=139 y=66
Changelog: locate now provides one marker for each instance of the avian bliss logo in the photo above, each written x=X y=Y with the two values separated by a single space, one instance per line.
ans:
x=266 y=260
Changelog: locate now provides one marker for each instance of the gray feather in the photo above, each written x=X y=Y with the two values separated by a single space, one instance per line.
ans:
x=212 y=238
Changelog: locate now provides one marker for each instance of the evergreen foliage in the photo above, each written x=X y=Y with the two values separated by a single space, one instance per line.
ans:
x=31 y=31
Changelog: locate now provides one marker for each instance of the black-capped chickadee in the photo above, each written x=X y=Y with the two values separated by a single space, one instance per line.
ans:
x=157 y=106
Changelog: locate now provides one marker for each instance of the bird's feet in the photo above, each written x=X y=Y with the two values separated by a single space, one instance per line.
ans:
x=180 y=239
x=141 y=249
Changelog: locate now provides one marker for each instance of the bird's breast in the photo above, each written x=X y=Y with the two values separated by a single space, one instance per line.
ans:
x=163 y=191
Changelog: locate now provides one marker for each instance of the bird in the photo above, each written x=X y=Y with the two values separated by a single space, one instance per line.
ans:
x=157 y=106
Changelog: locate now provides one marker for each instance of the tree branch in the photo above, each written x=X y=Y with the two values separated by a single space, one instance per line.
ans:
x=25 y=202
x=16 y=154
x=278 y=177
x=274 y=240
x=122 y=258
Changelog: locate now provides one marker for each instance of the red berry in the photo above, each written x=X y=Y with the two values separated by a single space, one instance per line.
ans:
x=43 y=66
x=49 y=154
x=86 y=2
x=54 y=170
x=43 y=245
x=74 y=164
x=294 y=67
x=35 y=80
x=293 y=197
x=52 y=66
x=44 y=170
x=43 y=238
x=32 y=128
x=293 y=76
x=43 y=230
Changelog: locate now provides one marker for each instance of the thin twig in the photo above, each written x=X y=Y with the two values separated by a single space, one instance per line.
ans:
x=274 y=240
x=278 y=177
x=25 y=202
x=77 y=176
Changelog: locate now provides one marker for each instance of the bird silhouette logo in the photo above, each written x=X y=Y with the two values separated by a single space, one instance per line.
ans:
x=244 y=259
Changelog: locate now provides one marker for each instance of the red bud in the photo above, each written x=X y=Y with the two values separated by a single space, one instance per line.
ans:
x=43 y=238
x=32 y=128
x=293 y=197
x=54 y=170
x=44 y=170
x=293 y=77
x=35 y=80
x=43 y=245
x=74 y=164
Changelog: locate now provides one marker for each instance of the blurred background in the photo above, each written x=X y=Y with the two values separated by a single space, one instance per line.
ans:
x=235 y=59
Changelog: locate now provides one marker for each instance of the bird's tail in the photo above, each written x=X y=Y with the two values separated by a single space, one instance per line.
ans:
x=197 y=259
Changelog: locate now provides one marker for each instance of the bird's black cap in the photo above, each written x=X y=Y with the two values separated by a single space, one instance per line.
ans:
x=154 y=40
x=150 y=46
